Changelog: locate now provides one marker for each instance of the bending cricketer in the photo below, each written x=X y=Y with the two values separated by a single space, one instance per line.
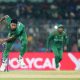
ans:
x=56 y=41
x=16 y=31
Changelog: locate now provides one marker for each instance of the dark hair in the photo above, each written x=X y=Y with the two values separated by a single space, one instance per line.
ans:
x=14 y=21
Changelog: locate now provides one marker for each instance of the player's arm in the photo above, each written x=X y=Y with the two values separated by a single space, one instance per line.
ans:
x=66 y=41
x=8 y=39
x=3 y=18
x=6 y=18
x=51 y=36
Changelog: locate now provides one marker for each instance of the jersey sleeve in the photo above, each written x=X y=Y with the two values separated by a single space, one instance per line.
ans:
x=12 y=36
x=8 y=20
x=51 y=36
x=66 y=40
x=20 y=28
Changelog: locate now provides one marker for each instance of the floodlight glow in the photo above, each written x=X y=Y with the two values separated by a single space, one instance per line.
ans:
x=55 y=26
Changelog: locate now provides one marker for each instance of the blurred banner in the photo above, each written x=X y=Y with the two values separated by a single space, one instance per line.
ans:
x=44 y=61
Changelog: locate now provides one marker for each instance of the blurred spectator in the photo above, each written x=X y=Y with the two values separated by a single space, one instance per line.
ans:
x=16 y=46
x=40 y=19
x=74 y=48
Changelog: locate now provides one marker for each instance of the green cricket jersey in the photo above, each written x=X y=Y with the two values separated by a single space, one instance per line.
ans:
x=19 y=32
x=56 y=39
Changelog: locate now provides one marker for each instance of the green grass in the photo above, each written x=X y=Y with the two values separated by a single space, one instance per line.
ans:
x=33 y=72
x=39 y=79
x=40 y=75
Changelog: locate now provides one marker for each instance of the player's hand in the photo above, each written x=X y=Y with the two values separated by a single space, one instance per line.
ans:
x=3 y=18
x=6 y=16
x=2 y=41
x=65 y=48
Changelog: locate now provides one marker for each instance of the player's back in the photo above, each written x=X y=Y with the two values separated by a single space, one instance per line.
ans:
x=21 y=31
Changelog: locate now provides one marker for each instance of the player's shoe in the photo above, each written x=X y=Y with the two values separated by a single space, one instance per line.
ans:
x=21 y=62
x=58 y=69
x=3 y=66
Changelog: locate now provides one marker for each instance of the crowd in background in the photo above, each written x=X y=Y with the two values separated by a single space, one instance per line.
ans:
x=40 y=19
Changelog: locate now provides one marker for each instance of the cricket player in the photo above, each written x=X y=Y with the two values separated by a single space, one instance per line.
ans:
x=16 y=31
x=55 y=42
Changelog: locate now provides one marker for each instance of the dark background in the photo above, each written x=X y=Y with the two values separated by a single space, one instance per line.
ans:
x=40 y=17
